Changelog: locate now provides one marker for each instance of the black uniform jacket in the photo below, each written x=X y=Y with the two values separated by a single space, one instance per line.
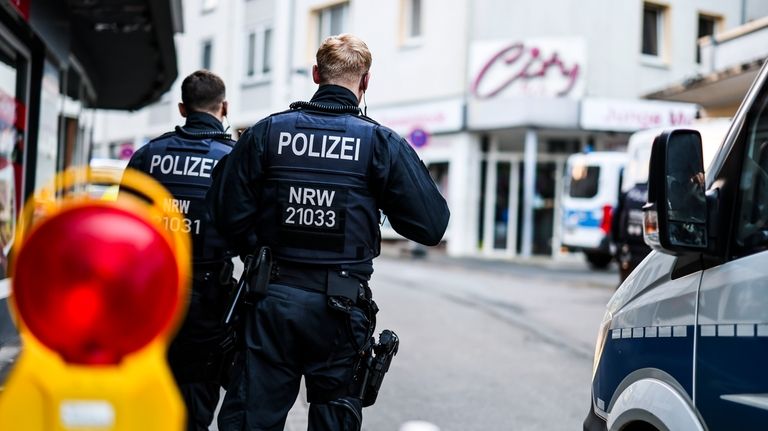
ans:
x=398 y=180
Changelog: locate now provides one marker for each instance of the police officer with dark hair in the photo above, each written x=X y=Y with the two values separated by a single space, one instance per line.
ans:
x=310 y=183
x=182 y=161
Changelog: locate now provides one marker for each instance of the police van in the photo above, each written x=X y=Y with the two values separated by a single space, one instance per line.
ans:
x=591 y=191
x=683 y=344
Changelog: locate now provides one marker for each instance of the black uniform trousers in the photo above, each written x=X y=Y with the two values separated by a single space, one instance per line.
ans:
x=290 y=333
x=194 y=353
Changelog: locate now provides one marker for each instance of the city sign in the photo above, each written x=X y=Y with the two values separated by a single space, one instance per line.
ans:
x=530 y=68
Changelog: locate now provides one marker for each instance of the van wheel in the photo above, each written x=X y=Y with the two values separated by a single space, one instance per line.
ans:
x=599 y=260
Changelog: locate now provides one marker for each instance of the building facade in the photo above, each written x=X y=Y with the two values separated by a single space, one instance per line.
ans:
x=494 y=95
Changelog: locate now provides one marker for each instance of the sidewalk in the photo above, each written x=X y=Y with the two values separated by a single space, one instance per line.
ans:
x=571 y=267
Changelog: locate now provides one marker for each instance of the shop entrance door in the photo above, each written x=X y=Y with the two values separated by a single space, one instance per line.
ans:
x=504 y=205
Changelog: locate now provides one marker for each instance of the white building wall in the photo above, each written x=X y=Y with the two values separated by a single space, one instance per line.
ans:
x=432 y=67
x=464 y=195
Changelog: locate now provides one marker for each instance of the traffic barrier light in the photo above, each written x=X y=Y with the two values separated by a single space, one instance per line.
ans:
x=98 y=288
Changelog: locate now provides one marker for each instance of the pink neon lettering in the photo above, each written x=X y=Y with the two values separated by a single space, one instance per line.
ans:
x=524 y=64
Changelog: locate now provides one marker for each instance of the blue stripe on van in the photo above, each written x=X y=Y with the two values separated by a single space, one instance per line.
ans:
x=581 y=218
x=622 y=356
x=731 y=366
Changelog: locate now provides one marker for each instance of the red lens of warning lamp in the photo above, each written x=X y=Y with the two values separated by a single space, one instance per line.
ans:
x=95 y=283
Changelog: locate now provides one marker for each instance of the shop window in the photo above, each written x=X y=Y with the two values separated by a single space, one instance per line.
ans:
x=13 y=84
x=653 y=29
x=331 y=21
x=51 y=101
x=206 y=55
x=707 y=26
x=258 y=58
x=501 y=214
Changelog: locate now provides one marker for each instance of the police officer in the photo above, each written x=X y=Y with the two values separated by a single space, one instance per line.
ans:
x=310 y=183
x=182 y=161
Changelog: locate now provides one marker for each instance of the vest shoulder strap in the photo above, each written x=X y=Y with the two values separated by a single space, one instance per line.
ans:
x=368 y=119
x=163 y=136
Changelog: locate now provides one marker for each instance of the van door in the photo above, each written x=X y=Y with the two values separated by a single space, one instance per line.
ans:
x=731 y=391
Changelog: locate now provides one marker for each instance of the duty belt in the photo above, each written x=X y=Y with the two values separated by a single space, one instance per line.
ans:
x=308 y=277
x=332 y=281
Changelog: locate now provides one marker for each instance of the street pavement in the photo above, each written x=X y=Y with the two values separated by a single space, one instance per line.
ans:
x=488 y=345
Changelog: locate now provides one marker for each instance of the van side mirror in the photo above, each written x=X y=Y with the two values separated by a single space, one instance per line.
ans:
x=675 y=217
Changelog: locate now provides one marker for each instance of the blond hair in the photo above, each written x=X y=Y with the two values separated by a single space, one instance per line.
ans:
x=342 y=58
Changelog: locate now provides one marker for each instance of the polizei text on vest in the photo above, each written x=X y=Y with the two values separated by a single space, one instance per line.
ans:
x=190 y=166
x=323 y=146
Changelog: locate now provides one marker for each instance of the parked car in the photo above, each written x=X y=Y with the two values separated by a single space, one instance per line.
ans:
x=591 y=191
x=684 y=340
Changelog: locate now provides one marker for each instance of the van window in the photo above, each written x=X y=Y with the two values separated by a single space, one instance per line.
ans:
x=584 y=181
x=752 y=227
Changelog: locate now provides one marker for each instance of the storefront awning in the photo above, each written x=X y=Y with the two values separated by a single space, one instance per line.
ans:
x=126 y=48
x=716 y=90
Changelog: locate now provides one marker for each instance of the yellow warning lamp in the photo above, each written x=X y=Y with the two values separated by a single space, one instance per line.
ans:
x=98 y=288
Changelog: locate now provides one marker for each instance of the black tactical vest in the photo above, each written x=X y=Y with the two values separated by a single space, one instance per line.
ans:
x=315 y=206
x=183 y=163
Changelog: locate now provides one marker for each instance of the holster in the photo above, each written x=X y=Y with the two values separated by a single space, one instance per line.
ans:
x=374 y=366
x=251 y=286
x=259 y=274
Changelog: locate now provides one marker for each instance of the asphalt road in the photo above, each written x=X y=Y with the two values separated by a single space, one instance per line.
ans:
x=488 y=346
x=485 y=345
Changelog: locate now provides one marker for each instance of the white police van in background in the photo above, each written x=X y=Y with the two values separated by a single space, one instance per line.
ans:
x=591 y=191
x=684 y=341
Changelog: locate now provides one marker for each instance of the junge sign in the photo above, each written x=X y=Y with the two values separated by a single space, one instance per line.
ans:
x=629 y=115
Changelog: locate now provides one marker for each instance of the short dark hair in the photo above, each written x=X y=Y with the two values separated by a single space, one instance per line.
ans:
x=202 y=91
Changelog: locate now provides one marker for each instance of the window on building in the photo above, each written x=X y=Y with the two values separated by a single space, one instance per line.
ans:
x=332 y=20
x=250 y=58
x=209 y=5
x=707 y=26
x=266 y=65
x=206 y=57
x=413 y=19
x=258 y=59
x=653 y=29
